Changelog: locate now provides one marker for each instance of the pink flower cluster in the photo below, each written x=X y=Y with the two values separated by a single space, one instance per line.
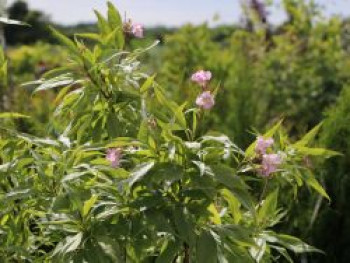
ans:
x=137 y=30
x=269 y=162
x=201 y=77
x=262 y=145
x=114 y=155
x=205 y=100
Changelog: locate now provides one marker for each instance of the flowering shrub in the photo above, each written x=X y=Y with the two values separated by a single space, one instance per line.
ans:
x=126 y=174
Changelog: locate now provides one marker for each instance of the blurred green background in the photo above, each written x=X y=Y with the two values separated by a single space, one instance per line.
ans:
x=298 y=70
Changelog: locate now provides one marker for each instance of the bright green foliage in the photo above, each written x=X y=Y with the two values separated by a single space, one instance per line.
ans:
x=3 y=71
x=26 y=64
x=29 y=62
x=180 y=193
x=294 y=71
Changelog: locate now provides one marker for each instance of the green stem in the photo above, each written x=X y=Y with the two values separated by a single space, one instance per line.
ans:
x=263 y=191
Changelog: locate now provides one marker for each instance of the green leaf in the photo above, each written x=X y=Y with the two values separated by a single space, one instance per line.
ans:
x=307 y=138
x=273 y=130
x=312 y=182
x=5 y=166
x=294 y=244
x=215 y=216
x=269 y=206
x=233 y=204
x=283 y=252
x=140 y=171
x=227 y=176
x=113 y=125
x=69 y=244
x=143 y=131
x=206 y=248
x=60 y=81
x=73 y=176
x=18 y=194
x=110 y=247
x=12 y=115
x=169 y=251
x=147 y=84
x=65 y=41
x=116 y=23
x=166 y=172
x=102 y=24
x=92 y=36
x=180 y=116
x=89 y=204
x=183 y=225
x=236 y=233
x=122 y=142
x=172 y=107
x=258 y=251
x=316 y=151
x=114 y=18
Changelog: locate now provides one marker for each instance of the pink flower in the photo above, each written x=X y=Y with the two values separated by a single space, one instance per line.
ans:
x=262 y=144
x=137 y=30
x=270 y=163
x=114 y=155
x=201 y=77
x=205 y=100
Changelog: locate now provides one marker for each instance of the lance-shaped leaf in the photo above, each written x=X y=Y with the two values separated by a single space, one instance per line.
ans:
x=227 y=177
x=206 y=248
x=139 y=172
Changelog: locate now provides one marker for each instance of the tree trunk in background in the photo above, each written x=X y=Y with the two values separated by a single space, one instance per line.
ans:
x=3 y=46
x=2 y=14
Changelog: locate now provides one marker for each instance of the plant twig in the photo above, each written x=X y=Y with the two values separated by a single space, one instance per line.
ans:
x=263 y=191
x=187 y=253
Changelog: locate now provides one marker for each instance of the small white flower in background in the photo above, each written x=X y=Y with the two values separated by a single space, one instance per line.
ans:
x=137 y=30
x=205 y=100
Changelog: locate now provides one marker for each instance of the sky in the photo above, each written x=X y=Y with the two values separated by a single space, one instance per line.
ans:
x=165 y=12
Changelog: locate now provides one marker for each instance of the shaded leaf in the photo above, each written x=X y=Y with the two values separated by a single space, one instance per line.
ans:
x=206 y=248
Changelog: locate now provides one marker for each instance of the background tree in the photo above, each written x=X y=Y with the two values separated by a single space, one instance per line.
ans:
x=2 y=14
x=37 y=20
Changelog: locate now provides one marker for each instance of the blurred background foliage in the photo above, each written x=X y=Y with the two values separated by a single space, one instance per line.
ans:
x=299 y=71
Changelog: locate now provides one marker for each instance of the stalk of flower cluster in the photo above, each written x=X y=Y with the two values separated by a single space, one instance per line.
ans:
x=263 y=192
x=269 y=162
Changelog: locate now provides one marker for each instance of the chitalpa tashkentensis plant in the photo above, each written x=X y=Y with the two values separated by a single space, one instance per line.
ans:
x=126 y=174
